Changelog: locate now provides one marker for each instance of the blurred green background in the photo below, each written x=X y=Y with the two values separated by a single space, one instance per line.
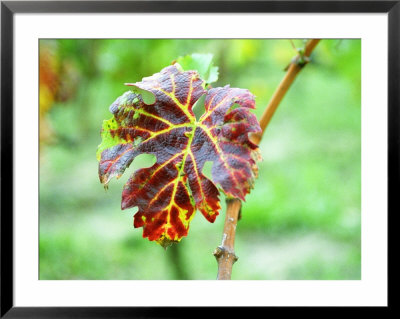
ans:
x=302 y=219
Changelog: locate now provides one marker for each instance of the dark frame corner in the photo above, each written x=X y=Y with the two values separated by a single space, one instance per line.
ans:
x=9 y=8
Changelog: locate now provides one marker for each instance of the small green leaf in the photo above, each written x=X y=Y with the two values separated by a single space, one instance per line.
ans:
x=202 y=63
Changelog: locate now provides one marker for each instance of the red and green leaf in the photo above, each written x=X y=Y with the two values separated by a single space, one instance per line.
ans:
x=168 y=193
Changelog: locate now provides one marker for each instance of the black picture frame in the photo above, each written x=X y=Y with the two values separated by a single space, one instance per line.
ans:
x=9 y=8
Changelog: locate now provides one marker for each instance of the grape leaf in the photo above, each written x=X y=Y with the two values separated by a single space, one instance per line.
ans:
x=169 y=192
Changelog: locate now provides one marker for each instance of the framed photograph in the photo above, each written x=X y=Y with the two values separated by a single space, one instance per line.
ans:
x=132 y=126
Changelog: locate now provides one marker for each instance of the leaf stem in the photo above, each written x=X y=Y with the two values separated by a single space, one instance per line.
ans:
x=225 y=253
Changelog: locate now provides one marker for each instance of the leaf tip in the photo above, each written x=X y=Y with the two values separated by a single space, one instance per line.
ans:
x=124 y=203
x=165 y=242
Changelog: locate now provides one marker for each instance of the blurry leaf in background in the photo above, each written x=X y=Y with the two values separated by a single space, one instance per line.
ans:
x=58 y=82
x=48 y=85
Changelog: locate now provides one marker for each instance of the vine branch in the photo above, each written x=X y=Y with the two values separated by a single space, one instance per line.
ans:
x=295 y=66
x=225 y=253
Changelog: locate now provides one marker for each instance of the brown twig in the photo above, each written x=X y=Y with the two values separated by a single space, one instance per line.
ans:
x=225 y=254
